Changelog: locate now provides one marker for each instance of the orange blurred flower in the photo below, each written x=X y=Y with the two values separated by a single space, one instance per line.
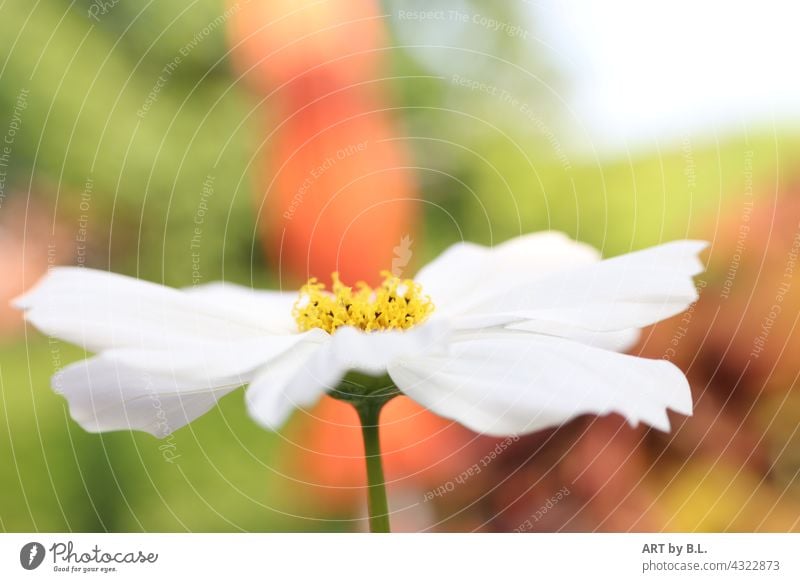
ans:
x=337 y=194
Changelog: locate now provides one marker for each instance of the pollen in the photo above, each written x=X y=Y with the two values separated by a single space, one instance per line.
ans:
x=394 y=304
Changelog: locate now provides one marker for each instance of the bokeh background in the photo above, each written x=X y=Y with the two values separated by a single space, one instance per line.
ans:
x=260 y=142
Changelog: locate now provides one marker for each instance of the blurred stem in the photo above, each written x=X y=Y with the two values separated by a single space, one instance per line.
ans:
x=369 y=413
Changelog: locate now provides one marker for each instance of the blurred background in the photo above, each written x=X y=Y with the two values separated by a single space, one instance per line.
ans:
x=261 y=142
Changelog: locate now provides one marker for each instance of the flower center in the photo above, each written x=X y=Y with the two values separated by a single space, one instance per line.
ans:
x=395 y=304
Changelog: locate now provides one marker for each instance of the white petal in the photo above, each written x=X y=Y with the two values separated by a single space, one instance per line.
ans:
x=287 y=383
x=370 y=353
x=515 y=382
x=271 y=310
x=104 y=395
x=100 y=310
x=541 y=252
x=629 y=291
x=300 y=377
x=214 y=358
x=618 y=341
x=466 y=272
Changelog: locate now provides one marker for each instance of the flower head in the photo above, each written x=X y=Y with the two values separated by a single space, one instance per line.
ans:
x=523 y=336
x=395 y=304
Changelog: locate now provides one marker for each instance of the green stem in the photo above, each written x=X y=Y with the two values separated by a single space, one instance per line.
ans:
x=369 y=412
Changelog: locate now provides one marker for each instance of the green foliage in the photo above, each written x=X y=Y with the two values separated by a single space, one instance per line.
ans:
x=112 y=106
x=57 y=477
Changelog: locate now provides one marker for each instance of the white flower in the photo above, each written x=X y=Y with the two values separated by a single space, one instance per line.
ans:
x=519 y=337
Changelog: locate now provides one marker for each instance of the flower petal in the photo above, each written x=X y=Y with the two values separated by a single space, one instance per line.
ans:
x=618 y=341
x=288 y=382
x=272 y=310
x=466 y=272
x=104 y=395
x=514 y=382
x=629 y=291
x=99 y=310
x=300 y=377
x=240 y=358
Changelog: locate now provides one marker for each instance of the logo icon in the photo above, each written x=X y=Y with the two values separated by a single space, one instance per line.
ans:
x=31 y=555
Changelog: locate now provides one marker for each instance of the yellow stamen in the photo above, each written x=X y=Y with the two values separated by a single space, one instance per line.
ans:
x=395 y=304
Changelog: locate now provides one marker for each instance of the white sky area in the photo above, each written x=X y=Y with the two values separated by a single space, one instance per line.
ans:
x=642 y=74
